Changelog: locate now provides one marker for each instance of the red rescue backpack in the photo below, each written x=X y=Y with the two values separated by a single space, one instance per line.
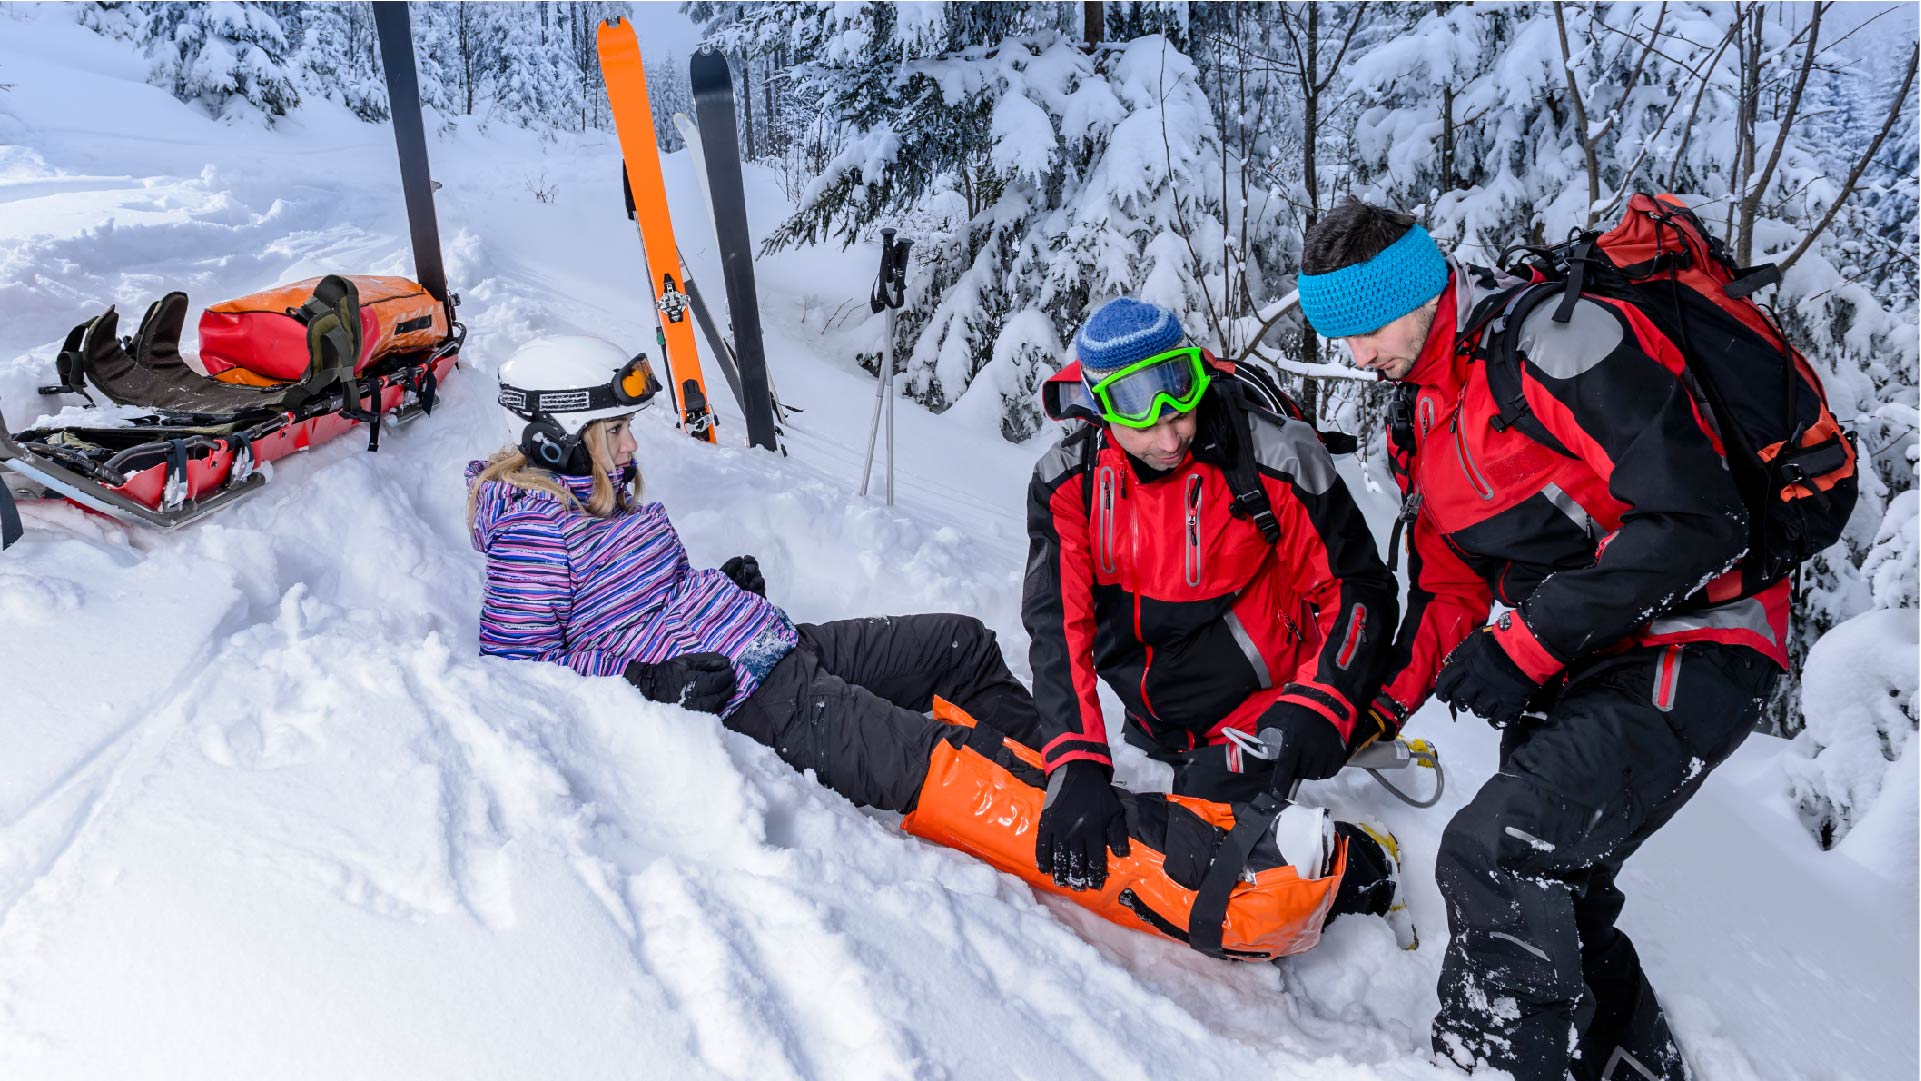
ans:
x=1793 y=463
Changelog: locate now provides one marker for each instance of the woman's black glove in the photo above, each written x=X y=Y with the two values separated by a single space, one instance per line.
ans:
x=702 y=682
x=1081 y=820
x=1479 y=676
x=745 y=573
x=1306 y=745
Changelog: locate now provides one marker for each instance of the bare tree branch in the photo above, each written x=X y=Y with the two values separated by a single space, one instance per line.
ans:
x=1347 y=39
x=1895 y=106
x=1687 y=129
x=1580 y=121
x=1751 y=197
x=1635 y=78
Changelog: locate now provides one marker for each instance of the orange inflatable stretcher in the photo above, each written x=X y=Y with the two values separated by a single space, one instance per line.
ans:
x=258 y=340
x=984 y=800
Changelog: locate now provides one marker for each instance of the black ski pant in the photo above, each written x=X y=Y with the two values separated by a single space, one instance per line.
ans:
x=849 y=701
x=1537 y=979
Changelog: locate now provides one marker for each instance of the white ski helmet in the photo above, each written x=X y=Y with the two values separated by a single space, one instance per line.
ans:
x=556 y=385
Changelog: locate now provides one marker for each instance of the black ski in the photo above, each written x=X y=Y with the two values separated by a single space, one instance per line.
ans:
x=720 y=143
x=394 y=28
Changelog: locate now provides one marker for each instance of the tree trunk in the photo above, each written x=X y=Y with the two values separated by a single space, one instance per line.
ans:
x=1310 y=175
x=1580 y=121
x=747 y=109
x=774 y=143
x=1447 y=122
x=1746 y=117
x=1751 y=195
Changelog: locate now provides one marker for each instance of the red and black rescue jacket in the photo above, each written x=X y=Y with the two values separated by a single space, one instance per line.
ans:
x=1628 y=542
x=1184 y=609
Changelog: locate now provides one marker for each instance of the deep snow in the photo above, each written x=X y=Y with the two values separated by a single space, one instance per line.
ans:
x=264 y=812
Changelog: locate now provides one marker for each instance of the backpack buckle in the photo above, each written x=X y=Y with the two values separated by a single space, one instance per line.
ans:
x=1254 y=507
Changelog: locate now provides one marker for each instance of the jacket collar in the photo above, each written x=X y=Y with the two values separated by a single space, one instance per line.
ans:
x=582 y=487
x=1442 y=363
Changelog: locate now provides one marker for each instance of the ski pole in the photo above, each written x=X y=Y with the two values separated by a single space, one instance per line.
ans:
x=893 y=317
x=889 y=293
x=877 y=301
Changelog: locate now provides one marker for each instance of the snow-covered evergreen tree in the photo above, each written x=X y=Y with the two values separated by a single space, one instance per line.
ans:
x=339 y=56
x=1031 y=174
x=669 y=91
x=225 y=57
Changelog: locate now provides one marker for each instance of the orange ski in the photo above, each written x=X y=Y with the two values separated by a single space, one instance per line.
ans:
x=634 y=123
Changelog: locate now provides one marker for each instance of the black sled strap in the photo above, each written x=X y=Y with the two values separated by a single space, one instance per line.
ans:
x=1209 y=914
x=70 y=367
x=10 y=528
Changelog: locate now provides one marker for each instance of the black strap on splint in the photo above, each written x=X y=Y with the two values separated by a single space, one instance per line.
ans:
x=10 y=528
x=1206 y=919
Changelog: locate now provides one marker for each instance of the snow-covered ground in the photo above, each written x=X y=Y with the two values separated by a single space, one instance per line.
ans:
x=264 y=812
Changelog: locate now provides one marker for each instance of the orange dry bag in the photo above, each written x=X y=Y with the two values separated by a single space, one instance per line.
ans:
x=262 y=333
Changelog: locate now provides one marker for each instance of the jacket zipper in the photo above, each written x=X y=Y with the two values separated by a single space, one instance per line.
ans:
x=1194 y=487
x=1106 y=524
x=1474 y=478
x=1147 y=659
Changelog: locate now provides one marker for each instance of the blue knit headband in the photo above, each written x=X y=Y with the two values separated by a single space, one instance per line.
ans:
x=1365 y=297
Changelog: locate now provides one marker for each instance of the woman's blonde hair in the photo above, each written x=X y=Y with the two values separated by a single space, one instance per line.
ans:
x=510 y=466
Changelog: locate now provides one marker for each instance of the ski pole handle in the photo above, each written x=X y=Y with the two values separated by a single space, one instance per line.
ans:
x=878 y=301
x=898 y=285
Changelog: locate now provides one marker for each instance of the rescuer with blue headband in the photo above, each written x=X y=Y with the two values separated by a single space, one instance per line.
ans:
x=1380 y=307
x=1365 y=297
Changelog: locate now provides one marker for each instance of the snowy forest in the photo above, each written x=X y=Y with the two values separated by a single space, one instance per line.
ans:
x=1178 y=152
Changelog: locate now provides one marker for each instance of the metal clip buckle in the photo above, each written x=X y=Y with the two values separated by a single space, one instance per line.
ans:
x=1249 y=744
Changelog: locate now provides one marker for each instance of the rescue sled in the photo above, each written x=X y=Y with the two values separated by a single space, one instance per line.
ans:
x=287 y=369
x=206 y=436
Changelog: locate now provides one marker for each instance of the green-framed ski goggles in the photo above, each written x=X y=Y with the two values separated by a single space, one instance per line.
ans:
x=1136 y=395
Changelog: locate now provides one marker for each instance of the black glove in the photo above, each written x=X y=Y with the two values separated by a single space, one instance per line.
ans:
x=702 y=682
x=745 y=572
x=1308 y=747
x=1382 y=721
x=1081 y=820
x=1481 y=678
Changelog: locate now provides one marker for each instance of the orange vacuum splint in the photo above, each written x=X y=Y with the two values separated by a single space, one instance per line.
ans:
x=1194 y=873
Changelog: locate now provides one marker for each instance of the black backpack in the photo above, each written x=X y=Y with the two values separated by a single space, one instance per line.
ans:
x=1794 y=465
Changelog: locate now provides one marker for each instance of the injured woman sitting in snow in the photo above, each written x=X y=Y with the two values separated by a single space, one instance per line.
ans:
x=914 y=714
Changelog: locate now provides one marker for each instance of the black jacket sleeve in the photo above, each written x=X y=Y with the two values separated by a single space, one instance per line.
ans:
x=1612 y=390
x=1333 y=561
x=1057 y=608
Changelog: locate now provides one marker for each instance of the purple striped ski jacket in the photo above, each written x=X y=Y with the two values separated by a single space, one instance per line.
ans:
x=595 y=593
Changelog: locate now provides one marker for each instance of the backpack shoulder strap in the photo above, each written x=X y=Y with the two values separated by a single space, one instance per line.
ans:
x=1242 y=470
x=1088 y=440
x=1502 y=358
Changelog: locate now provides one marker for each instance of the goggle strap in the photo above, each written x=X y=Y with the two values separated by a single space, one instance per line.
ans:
x=529 y=403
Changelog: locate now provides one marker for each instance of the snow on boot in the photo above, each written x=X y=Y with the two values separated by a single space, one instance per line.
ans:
x=1305 y=836
x=1397 y=915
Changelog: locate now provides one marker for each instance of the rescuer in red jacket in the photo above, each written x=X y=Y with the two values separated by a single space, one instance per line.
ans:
x=1200 y=555
x=1631 y=660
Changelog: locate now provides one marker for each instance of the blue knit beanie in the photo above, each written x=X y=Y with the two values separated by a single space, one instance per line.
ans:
x=1123 y=331
x=1365 y=297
